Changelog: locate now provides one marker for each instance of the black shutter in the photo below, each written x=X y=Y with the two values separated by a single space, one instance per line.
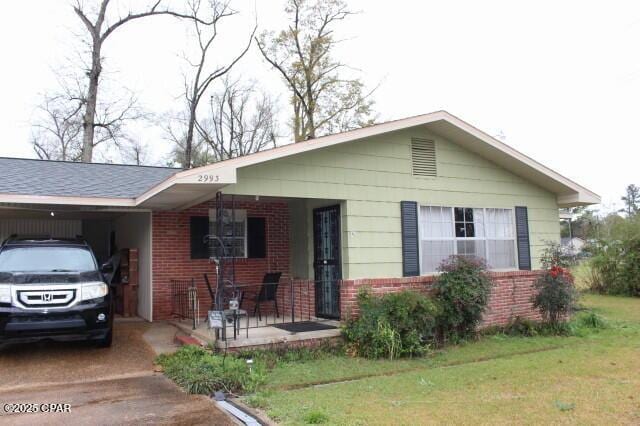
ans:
x=409 y=220
x=256 y=237
x=199 y=228
x=522 y=232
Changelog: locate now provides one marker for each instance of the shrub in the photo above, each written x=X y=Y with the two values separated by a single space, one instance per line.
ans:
x=199 y=371
x=556 y=296
x=462 y=292
x=391 y=326
x=615 y=267
x=584 y=323
x=591 y=320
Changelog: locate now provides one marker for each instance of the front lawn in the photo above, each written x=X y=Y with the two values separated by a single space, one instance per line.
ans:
x=499 y=379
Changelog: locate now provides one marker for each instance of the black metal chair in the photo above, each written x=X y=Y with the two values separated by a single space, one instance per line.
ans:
x=268 y=293
x=228 y=293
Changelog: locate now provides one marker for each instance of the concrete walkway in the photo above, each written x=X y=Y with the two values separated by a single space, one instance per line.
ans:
x=102 y=386
x=149 y=399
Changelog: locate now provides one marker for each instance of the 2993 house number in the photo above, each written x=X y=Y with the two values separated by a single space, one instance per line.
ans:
x=208 y=178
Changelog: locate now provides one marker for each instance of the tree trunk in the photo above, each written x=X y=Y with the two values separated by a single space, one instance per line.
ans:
x=188 y=144
x=297 y=121
x=310 y=111
x=88 y=122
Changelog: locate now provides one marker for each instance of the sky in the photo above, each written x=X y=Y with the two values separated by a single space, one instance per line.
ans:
x=558 y=81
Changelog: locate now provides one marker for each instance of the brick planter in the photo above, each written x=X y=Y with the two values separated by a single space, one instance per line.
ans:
x=510 y=297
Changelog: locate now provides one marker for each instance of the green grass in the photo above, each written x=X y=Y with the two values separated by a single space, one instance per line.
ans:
x=590 y=377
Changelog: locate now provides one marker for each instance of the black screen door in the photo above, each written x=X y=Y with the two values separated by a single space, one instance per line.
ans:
x=327 y=264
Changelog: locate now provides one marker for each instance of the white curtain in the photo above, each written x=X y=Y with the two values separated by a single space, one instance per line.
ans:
x=436 y=222
x=500 y=238
x=437 y=236
x=478 y=222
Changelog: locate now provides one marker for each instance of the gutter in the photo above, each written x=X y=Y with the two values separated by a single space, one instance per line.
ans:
x=236 y=411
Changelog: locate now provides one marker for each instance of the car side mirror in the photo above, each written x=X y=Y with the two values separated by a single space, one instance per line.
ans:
x=106 y=268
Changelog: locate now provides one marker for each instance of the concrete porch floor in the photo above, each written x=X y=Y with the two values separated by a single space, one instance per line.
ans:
x=260 y=333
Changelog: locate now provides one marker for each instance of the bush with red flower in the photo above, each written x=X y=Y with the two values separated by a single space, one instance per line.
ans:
x=462 y=290
x=557 y=296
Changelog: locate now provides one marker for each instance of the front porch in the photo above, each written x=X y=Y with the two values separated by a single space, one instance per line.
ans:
x=274 y=248
x=267 y=333
x=267 y=314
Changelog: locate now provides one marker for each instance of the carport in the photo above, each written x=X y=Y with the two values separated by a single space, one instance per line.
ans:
x=97 y=201
x=107 y=231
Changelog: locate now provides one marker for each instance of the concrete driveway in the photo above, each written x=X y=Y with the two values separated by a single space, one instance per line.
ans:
x=101 y=386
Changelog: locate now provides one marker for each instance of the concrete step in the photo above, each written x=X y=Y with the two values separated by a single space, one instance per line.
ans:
x=184 y=339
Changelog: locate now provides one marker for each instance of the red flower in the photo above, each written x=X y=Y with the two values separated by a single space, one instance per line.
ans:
x=557 y=271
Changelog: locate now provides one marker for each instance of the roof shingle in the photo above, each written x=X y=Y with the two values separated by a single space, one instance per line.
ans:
x=61 y=178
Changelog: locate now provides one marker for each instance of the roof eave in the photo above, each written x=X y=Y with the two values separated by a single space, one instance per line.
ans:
x=67 y=200
x=578 y=199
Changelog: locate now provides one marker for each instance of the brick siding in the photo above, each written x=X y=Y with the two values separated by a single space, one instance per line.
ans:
x=172 y=252
x=510 y=297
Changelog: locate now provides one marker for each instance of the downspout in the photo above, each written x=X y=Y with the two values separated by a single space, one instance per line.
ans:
x=150 y=266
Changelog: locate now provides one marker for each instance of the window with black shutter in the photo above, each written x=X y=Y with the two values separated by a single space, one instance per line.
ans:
x=256 y=237
x=409 y=225
x=199 y=228
x=522 y=234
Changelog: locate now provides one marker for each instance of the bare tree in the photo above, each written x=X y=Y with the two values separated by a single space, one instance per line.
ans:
x=241 y=121
x=197 y=85
x=99 y=27
x=201 y=155
x=135 y=153
x=56 y=134
x=323 y=100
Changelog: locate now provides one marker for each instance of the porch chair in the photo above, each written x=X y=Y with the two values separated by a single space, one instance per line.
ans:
x=268 y=293
x=231 y=315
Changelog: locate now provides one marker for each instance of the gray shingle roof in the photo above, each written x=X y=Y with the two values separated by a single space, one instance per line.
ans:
x=60 y=178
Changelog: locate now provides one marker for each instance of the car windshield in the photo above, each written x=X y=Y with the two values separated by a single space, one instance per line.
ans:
x=46 y=259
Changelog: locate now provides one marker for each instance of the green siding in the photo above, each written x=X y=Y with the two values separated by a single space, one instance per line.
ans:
x=298 y=238
x=373 y=175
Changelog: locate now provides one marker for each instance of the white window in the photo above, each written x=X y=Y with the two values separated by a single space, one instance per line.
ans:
x=234 y=233
x=485 y=233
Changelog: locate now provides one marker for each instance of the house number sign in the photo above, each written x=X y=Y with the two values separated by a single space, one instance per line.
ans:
x=208 y=178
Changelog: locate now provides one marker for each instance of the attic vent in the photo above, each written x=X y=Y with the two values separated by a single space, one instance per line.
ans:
x=423 y=157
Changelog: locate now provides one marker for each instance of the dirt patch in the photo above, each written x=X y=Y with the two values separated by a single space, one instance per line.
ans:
x=51 y=362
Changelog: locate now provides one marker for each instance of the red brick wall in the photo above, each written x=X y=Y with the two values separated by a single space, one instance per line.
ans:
x=510 y=298
x=172 y=252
